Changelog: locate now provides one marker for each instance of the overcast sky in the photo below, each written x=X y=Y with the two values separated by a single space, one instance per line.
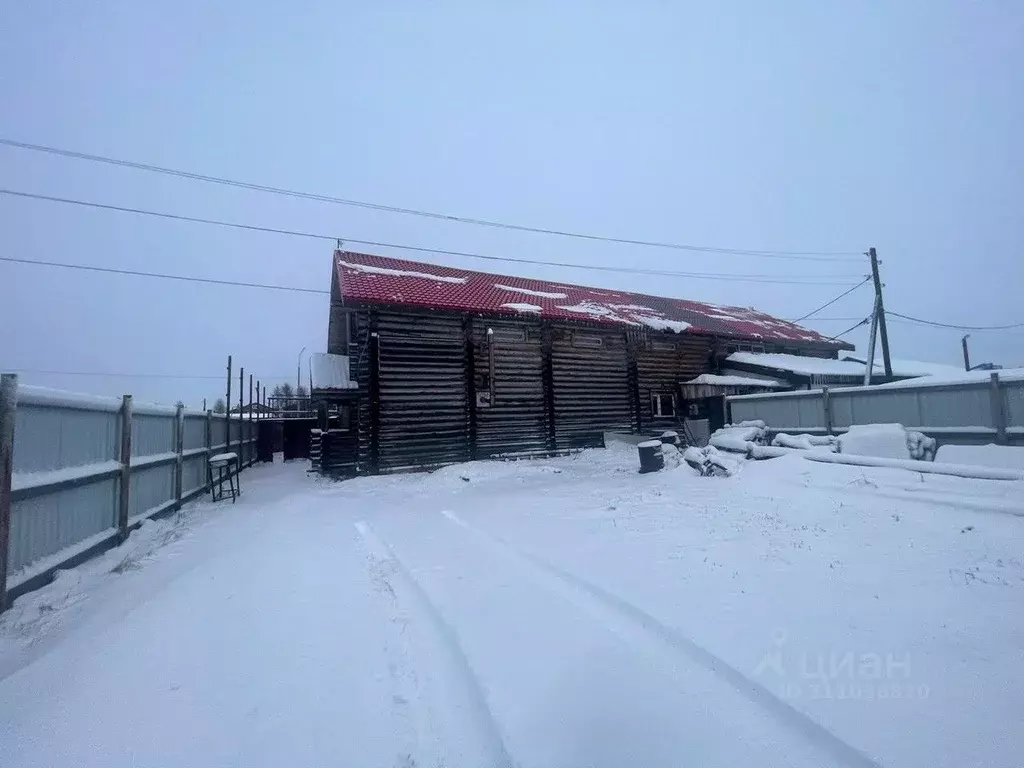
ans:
x=812 y=126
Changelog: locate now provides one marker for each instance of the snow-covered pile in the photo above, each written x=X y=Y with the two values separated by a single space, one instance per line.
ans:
x=888 y=441
x=921 y=446
x=740 y=437
x=709 y=461
x=1000 y=456
x=805 y=442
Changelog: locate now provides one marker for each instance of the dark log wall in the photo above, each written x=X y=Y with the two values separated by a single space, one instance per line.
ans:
x=590 y=374
x=552 y=386
x=515 y=421
x=424 y=390
x=662 y=364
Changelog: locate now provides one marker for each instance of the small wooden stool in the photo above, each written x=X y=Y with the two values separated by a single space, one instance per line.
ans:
x=222 y=462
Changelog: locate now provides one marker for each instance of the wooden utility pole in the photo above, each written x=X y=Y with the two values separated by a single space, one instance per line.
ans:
x=880 y=310
x=967 y=356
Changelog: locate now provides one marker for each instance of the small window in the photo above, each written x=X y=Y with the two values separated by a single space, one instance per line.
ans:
x=585 y=340
x=662 y=404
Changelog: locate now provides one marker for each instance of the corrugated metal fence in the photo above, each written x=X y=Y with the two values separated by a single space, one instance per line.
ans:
x=85 y=470
x=982 y=411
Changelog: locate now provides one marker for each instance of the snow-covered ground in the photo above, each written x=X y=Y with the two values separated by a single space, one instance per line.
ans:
x=567 y=612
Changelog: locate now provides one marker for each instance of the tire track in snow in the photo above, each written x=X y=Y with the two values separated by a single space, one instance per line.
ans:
x=616 y=610
x=457 y=663
x=413 y=718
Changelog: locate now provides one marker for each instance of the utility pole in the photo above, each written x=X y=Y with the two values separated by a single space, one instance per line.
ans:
x=227 y=410
x=967 y=357
x=880 y=312
x=869 y=366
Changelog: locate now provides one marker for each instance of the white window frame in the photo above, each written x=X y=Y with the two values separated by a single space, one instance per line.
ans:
x=657 y=404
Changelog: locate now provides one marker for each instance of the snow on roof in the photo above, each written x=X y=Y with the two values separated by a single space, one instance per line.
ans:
x=530 y=292
x=330 y=371
x=368 y=279
x=728 y=380
x=371 y=270
x=909 y=367
x=523 y=307
x=798 y=364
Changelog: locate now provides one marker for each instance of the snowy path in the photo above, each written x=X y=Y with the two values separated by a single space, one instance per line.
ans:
x=559 y=613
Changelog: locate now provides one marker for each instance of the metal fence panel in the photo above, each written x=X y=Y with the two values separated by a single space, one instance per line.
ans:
x=219 y=429
x=43 y=526
x=193 y=474
x=66 y=481
x=1013 y=404
x=49 y=438
x=195 y=432
x=794 y=411
x=965 y=410
x=151 y=488
x=152 y=434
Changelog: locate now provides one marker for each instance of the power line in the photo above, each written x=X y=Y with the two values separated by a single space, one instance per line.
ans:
x=833 y=301
x=113 y=374
x=795 y=280
x=937 y=324
x=833 y=319
x=851 y=328
x=162 y=276
x=768 y=254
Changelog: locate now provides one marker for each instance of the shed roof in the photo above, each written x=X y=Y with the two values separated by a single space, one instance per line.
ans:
x=368 y=279
x=799 y=365
x=908 y=368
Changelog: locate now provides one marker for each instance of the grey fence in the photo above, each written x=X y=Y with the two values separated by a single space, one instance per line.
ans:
x=80 y=472
x=980 y=411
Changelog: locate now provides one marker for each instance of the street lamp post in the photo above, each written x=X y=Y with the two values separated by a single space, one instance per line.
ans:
x=298 y=371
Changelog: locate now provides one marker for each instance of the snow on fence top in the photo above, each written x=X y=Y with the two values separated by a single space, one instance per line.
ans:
x=58 y=398
x=367 y=279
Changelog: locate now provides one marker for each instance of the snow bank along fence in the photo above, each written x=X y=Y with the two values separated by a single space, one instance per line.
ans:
x=77 y=473
x=968 y=412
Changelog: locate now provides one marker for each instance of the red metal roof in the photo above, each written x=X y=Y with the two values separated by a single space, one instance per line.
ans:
x=368 y=279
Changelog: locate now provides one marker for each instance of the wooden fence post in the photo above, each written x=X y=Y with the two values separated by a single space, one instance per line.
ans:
x=241 y=419
x=209 y=448
x=126 y=466
x=826 y=404
x=179 y=448
x=252 y=429
x=8 y=406
x=995 y=394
